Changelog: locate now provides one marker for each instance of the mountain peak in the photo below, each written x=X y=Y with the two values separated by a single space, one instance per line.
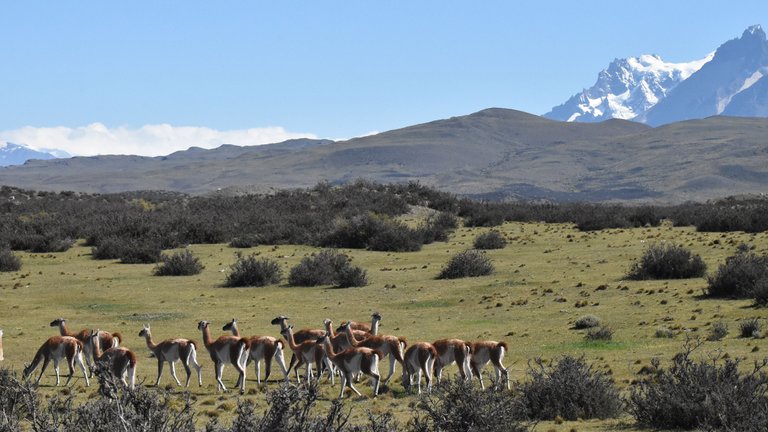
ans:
x=755 y=31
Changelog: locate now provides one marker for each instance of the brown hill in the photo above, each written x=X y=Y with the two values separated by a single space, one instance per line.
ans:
x=494 y=153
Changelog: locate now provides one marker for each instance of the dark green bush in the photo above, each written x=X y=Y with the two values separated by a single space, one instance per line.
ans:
x=718 y=331
x=599 y=333
x=469 y=263
x=182 y=263
x=760 y=292
x=140 y=252
x=586 y=321
x=351 y=276
x=490 y=240
x=108 y=248
x=707 y=395
x=438 y=227
x=328 y=267
x=739 y=276
x=460 y=406
x=373 y=232
x=253 y=271
x=570 y=389
x=9 y=261
x=666 y=261
x=750 y=327
x=245 y=241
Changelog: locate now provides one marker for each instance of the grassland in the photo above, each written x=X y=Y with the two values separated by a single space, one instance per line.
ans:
x=530 y=302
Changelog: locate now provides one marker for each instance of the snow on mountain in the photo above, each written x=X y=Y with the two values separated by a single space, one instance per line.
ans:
x=738 y=65
x=17 y=154
x=626 y=89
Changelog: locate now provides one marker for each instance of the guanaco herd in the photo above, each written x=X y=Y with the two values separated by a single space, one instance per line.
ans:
x=351 y=350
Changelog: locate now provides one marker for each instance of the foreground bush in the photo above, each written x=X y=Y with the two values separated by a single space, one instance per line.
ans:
x=571 y=390
x=469 y=263
x=182 y=263
x=459 y=406
x=490 y=240
x=743 y=275
x=253 y=271
x=665 y=261
x=707 y=395
x=328 y=267
x=9 y=261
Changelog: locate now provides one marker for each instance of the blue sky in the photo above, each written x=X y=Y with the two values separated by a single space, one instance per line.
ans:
x=318 y=68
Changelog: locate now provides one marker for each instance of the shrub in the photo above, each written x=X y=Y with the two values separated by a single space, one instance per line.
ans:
x=459 y=406
x=395 y=237
x=9 y=261
x=47 y=244
x=182 y=263
x=373 y=232
x=718 y=331
x=253 y=271
x=664 y=261
x=140 y=252
x=586 y=321
x=708 y=395
x=469 y=263
x=351 y=276
x=437 y=227
x=107 y=249
x=760 y=291
x=739 y=276
x=600 y=333
x=245 y=241
x=750 y=328
x=490 y=240
x=329 y=267
x=664 y=333
x=571 y=390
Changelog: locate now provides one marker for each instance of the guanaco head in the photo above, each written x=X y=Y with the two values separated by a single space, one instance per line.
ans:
x=343 y=327
x=27 y=370
x=145 y=331
x=322 y=338
x=202 y=324
x=57 y=322
x=376 y=316
x=230 y=325
x=280 y=320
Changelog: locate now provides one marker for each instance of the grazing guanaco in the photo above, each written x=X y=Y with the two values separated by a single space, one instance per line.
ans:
x=106 y=339
x=261 y=348
x=419 y=358
x=225 y=349
x=450 y=351
x=389 y=346
x=307 y=352
x=489 y=351
x=172 y=350
x=299 y=336
x=353 y=361
x=57 y=348
x=120 y=360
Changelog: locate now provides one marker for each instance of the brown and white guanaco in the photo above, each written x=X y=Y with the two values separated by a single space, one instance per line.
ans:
x=353 y=361
x=261 y=348
x=120 y=360
x=171 y=351
x=57 y=348
x=419 y=359
x=225 y=349
x=484 y=352
x=106 y=339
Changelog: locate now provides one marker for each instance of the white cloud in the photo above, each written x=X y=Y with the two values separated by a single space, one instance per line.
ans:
x=148 y=140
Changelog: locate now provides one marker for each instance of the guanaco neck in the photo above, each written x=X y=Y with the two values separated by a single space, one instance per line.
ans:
x=206 y=335
x=374 y=326
x=150 y=344
x=329 y=328
x=329 y=348
x=350 y=336
x=289 y=338
x=64 y=330
x=96 y=346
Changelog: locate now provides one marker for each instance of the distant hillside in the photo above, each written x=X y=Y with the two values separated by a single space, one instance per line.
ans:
x=494 y=153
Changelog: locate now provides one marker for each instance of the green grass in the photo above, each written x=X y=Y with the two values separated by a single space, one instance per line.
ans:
x=530 y=302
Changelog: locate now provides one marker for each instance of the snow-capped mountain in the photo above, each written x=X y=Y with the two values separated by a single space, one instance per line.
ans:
x=730 y=81
x=626 y=89
x=17 y=154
